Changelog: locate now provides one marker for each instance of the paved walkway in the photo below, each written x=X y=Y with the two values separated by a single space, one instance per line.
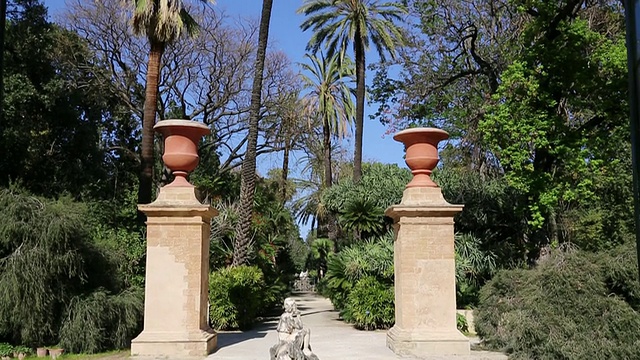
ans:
x=331 y=338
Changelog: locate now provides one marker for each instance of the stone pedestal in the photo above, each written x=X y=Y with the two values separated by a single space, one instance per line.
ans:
x=177 y=278
x=425 y=290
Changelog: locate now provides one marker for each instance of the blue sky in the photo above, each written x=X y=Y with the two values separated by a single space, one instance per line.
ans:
x=285 y=35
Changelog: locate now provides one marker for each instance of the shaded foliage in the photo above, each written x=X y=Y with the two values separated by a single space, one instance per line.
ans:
x=370 y=305
x=473 y=268
x=48 y=262
x=359 y=283
x=102 y=321
x=548 y=312
x=53 y=111
x=490 y=212
x=236 y=296
x=545 y=136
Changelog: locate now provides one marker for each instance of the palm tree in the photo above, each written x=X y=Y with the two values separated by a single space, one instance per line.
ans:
x=162 y=22
x=337 y=23
x=288 y=133
x=329 y=98
x=309 y=207
x=248 y=179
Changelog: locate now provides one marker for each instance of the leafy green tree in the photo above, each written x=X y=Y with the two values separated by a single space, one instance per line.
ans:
x=449 y=67
x=544 y=135
x=51 y=132
x=359 y=22
x=248 y=184
x=557 y=129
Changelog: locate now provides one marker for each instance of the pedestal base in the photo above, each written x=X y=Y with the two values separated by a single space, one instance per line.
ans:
x=426 y=343
x=168 y=345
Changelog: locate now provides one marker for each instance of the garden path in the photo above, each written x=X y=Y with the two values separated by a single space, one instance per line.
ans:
x=331 y=338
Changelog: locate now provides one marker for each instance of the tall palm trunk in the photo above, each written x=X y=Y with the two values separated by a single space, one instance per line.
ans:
x=148 y=121
x=248 y=181
x=358 y=48
x=285 y=170
x=332 y=230
x=326 y=147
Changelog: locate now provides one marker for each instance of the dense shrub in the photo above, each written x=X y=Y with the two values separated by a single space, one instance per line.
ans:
x=236 y=296
x=335 y=285
x=48 y=259
x=461 y=323
x=370 y=305
x=360 y=206
x=6 y=349
x=102 y=321
x=359 y=283
x=620 y=271
x=492 y=211
x=370 y=258
x=571 y=306
x=381 y=184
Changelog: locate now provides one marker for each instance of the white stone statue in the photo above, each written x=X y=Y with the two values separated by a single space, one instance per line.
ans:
x=293 y=337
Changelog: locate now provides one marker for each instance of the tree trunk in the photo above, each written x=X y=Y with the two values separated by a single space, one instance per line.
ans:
x=553 y=230
x=148 y=121
x=248 y=179
x=358 y=48
x=3 y=22
x=328 y=177
x=326 y=148
x=285 y=170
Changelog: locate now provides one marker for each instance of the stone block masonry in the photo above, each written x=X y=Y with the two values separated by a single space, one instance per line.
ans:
x=177 y=282
x=425 y=290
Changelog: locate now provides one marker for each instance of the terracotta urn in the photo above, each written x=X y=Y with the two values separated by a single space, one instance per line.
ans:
x=421 y=146
x=181 y=138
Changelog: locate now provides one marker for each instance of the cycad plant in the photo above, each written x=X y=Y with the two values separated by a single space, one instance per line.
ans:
x=371 y=258
x=321 y=250
x=363 y=217
x=473 y=268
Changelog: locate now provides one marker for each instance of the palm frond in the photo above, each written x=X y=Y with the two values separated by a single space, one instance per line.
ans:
x=337 y=23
